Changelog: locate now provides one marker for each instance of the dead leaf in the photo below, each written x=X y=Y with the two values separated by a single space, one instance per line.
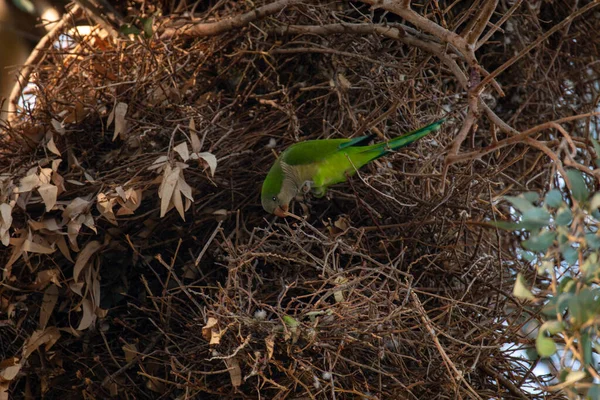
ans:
x=120 y=123
x=48 y=304
x=49 y=194
x=105 y=207
x=183 y=151
x=130 y=351
x=235 y=372
x=45 y=277
x=5 y=223
x=9 y=369
x=58 y=127
x=50 y=145
x=37 y=244
x=211 y=331
x=167 y=187
x=28 y=183
x=210 y=160
x=46 y=337
x=89 y=317
x=82 y=260
x=270 y=343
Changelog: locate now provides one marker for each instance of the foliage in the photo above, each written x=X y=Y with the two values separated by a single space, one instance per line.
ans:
x=563 y=243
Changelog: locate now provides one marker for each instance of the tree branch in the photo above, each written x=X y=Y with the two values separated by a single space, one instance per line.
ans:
x=478 y=24
x=196 y=29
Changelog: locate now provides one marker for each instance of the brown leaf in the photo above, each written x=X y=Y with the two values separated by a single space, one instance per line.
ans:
x=28 y=183
x=48 y=304
x=183 y=151
x=208 y=328
x=120 y=112
x=9 y=369
x=270 y=343
x=49 y=194
x=83 y=258
x=5 y=223
x=235 y=372
x=37 y=244
x=105 y=207
x=166 y=189
x=47 y=337
x=130 y=351
x=89 y=316
x=51 y=145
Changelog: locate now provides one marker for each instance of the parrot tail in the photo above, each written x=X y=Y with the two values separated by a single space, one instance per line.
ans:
x=405 y=140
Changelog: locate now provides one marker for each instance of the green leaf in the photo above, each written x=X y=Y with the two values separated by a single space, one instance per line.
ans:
x=567 y=285
x=586 y=346
x=520 y=290
x=129 y=29
x=531 y=197
x=147 y=26
x=290 y=321
x=506 y=225
x=25 y=5
x=593 y=393
x=582 y=307
x=553 y=198
x=570 y=255
x=535 y=218
x=520 y=203
x=545 y=346
x=564 y=217
x=593 y=241
x=541 y=242
x=553 y=327
x=579 y=189
x=526 y=255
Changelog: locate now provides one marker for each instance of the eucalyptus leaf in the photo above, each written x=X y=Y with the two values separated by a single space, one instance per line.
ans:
x=535 y=218
x=593 y=393
x=506 y=225
x=575 y=376
x=540 y=242
x=586 y=346
x=570 y=255
x=519 y=203
x=579 y=189
x=545 y=346
x=593 y=241
x=564 y=217
x=595 y=202
x=520 y=290
x=526 y=255
x=552 y=327
x=553 y=198
x=531 y=197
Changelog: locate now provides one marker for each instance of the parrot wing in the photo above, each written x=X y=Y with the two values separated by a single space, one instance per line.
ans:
x=312 y=151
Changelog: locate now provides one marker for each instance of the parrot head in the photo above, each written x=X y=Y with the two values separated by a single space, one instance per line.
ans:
x=274 y=199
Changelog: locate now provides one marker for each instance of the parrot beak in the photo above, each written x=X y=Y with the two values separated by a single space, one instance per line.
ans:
x=281 y=211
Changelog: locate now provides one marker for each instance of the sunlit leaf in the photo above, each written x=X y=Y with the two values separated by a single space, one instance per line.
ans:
x=575 y=376
x=545 y=346
x=595 y=202
x=520 y=290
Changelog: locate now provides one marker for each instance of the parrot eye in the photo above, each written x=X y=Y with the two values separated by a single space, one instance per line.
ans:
x=274 y=198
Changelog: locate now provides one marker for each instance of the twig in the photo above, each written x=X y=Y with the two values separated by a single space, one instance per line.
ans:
x=216 y=28
x=34 y=58
x=522 y=53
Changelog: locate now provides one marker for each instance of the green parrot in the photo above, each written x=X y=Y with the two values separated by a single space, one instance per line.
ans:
x=318 y=164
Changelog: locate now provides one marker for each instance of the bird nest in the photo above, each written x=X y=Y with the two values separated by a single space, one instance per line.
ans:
x=139 y=262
